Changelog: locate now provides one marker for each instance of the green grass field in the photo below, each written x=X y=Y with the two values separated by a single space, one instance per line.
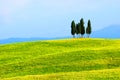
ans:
x=69 y=59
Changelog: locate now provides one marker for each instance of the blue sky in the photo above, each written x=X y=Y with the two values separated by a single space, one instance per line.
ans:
x=52 y=18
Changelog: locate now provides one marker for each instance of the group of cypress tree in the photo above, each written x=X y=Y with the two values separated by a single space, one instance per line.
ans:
x=79 y=28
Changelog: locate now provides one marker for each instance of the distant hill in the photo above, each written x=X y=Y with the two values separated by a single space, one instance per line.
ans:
x=12 y=40
x=108 y=32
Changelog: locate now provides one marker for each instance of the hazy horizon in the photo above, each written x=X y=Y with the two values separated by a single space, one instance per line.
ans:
x=43 y=18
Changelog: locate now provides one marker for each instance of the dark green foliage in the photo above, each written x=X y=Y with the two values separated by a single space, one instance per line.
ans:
x=82 y=27
x=78 y=29
x=73 y=29
x=88 y=29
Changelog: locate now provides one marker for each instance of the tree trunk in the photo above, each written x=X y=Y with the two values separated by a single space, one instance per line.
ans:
x=81 y=36
x=73 y=36
x=88 y=35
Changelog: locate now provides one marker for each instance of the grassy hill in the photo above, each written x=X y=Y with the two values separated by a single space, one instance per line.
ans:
x=73 y=59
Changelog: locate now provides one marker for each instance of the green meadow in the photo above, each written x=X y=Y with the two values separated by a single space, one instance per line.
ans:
x=67 y=59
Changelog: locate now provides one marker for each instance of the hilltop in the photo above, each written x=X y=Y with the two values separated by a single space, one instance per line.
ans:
x=61 y=59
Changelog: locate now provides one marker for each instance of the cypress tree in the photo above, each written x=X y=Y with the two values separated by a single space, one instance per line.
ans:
x=88 y=29
x=73 y=29
x=77 y=29
x=82 y=27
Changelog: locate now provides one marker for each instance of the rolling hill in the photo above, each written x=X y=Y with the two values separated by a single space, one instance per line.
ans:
x=69 y=59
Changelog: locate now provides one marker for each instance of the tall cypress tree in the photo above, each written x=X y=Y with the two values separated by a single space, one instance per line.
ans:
x=88 y=29
x=78 y=29
x=82 y=27
x=73 y=29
